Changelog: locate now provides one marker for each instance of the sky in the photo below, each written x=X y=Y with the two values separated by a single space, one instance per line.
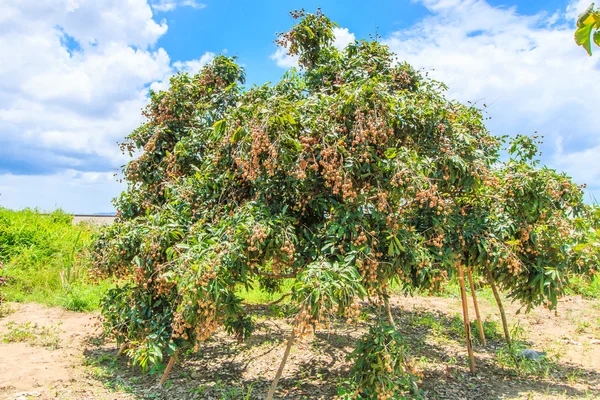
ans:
x=75 y=75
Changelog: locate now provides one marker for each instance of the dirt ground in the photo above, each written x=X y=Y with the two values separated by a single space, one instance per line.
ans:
x=32 y=369
x=62 y=357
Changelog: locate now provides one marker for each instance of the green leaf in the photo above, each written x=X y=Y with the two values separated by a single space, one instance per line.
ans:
x=237 y=135
x=582 y=37
x=391 y=249
x=219 y=126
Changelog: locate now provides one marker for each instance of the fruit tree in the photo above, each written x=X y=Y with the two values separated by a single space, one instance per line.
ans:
x=352 y=173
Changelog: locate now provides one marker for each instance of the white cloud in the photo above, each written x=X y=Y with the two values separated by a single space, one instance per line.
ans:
x=576 y=7
x=283 y=59
x=526 y=68
x=170 y=5
x=74 y=84
x=194 y=66
x=342 y=39
x=70 y=190
x=89 y=22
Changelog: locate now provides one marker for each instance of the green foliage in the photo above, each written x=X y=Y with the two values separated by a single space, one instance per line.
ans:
x=40 y=253
x=3 y=280
x=325 y=289
x=349 y=175
x=588 y=29
x=382 y=369
x=528 y=229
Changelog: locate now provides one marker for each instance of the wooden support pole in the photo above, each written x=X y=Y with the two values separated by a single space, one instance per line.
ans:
x=479 y=321
x=282 y=365
x=490 y=279
x=463 y=296
x=168 y=369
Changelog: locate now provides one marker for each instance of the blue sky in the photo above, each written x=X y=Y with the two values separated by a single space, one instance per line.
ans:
x=80 y=70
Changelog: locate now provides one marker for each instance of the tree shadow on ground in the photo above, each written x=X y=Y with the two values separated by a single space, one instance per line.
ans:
x=224 y=369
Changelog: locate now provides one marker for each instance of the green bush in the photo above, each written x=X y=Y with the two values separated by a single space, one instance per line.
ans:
x=382 y=369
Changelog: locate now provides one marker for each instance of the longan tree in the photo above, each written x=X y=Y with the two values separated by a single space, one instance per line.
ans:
x=351 y=173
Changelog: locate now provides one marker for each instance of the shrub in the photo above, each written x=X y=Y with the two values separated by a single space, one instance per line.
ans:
x=382 y=369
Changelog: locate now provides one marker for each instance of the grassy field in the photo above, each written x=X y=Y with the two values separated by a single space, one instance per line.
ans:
x=41 y=257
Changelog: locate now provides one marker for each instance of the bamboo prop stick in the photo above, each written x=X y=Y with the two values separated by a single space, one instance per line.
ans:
x=463 y=296
x=479 y=321
x=281 y=365
x=490 y=279
x=168 y=369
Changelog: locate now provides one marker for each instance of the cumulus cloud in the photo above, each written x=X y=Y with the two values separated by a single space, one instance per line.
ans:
x=76 y=79
x=170 y=5
x=576 y=7
x=342 y=39
x=71 y=190
x=526 y=68
x=194 y=66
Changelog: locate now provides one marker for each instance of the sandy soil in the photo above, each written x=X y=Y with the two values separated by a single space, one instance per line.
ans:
x=29 y=370
x=84 y=368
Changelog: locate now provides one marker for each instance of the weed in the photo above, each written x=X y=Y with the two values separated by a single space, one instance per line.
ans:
x=582 y=326
x=433 y=322
x=573 y=376
x=6 y=309
x=513 y=358
x=34 y=334
x=491 y=330
x=457 y=328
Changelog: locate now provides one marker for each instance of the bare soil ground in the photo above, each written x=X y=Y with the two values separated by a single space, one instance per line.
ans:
x=75 y=364
x=41 y=355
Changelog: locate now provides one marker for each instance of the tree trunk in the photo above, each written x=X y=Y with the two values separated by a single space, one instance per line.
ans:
x=122 y=349
x=388 y=309
x=282 y=365
x=463 y=296
x=479 y=321
x=490 y=279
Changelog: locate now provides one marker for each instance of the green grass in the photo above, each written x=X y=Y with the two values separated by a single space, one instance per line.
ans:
x=41 y=257
x=255 y=295
x=584 y=286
